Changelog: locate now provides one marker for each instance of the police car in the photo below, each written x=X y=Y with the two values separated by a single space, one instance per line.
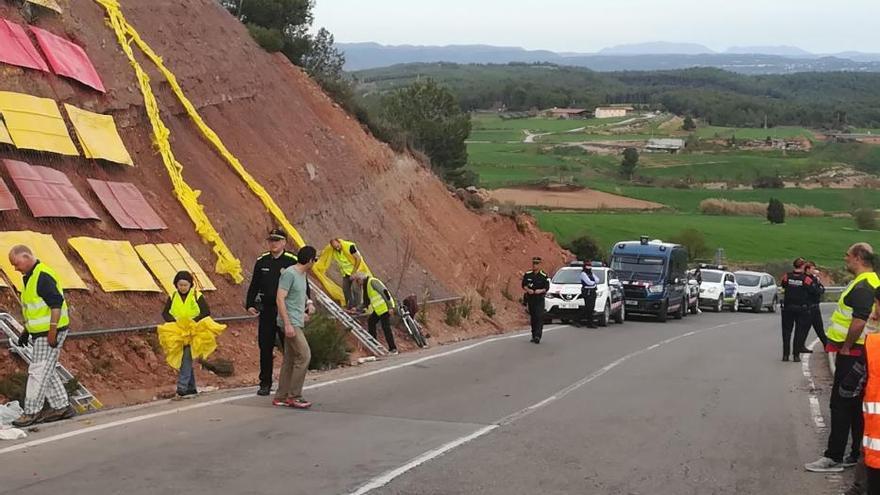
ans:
x=564 y=301
x=718 y=289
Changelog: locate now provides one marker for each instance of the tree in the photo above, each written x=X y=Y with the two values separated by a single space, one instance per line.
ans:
x=694 y=241
x=585 y=248
x=775 y=211
x=866 y=218
x=429 y=118
x=629 y=163
x=689 y=124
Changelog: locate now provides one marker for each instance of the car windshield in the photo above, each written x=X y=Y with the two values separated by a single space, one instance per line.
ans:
x=711 y=277
x=748 y=280
x=639 y=267
x=573 y=276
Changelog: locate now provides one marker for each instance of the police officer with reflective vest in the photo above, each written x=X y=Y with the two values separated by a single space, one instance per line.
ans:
x=871 y=405
x=46 y=322
x=261 y=301
x=379 y=299
x=800 y=290
x=817 y=321
x=535 y=284
x=846 y=337
x=349 y=261
x=589 y=287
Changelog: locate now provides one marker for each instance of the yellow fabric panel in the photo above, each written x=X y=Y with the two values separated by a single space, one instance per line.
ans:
x=165 y=260
x=98 y=136
x=49 y=4
x=46 y=250
x=114 y=264
x=5 y=138
x=325 y=261
x=201 y=336
x=227 y=263
x=35 y=123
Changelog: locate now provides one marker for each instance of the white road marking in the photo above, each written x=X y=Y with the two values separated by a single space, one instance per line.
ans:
x=389 y=476
x=815 y=407
x=200 y=405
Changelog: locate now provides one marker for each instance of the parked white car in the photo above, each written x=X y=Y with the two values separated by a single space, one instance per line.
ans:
x=718 y=289
x=564 y=301
x=757 y=290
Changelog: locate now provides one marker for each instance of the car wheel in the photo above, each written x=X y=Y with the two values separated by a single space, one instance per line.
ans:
x=735 y=306
x=695 y=309
x=663 y=313
x=756 y=308
x=620 y=317
x=775 y=305
x=605 y=317
x=719 y=306
x=679 y=313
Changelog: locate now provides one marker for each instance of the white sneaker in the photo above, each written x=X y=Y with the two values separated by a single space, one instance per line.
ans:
x=824 y=465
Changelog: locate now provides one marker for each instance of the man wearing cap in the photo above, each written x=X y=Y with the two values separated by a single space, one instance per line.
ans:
x=261 y=301
x=535 y=284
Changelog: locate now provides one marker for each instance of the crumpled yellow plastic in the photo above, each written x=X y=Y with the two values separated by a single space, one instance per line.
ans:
x=98 y=136
x=322 y=265
x=35 y=123
x=201 y=336
x=114 y=264
x=46 y=250
x=227 y=263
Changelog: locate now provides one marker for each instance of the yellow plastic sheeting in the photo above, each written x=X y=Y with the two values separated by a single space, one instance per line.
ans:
x=98 y=136
x=165 y=260
x=325 y=260
x=49 y=4
x=5 y=138
x=35 y=123
x=201 y=336
x=227 y=263
x=114 y=264
x=46 y=250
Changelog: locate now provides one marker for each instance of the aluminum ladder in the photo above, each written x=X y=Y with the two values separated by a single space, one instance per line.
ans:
x=81 y=399
x=372 y=345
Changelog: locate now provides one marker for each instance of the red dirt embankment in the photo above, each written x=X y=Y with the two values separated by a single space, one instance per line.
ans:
x=329 y=176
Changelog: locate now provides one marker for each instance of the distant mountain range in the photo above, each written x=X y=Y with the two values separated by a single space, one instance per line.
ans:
x=642 y=56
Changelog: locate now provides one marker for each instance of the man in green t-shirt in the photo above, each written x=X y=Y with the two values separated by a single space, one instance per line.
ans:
x=292 y=316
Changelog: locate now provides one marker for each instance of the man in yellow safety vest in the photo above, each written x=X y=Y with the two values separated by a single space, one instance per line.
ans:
x=46 y=322
x=378 y=298
x=349 y=261
x=846 y=337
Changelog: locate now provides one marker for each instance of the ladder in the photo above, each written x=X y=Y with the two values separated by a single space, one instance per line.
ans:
x=80 y=398
x=373 y=345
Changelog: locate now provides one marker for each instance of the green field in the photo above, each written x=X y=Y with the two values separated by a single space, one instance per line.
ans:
x=710 y=132
x=502 y=165
x=739 y=166
x=744 y=239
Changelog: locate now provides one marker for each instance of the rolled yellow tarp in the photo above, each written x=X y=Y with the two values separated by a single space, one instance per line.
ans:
x=201 y=336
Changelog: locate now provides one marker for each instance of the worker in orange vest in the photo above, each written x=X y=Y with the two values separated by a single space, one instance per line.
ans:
x=871 y=406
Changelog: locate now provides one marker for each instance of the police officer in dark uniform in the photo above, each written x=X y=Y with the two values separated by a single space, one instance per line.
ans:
x=261 y=301
x=535 y=284
x=816 y=318
x=800 y=290
x=589 y=287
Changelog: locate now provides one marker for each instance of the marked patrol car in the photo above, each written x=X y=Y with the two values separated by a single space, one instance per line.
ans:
x=564 y=301
x=719 y=290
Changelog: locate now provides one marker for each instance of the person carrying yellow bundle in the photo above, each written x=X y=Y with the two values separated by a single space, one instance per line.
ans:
x=189 y=332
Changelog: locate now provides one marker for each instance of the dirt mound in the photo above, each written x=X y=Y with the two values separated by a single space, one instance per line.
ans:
x=329 y=176
x=575 y=200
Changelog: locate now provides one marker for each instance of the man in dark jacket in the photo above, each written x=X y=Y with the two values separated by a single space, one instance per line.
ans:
x=800 y=291
x=816 y=319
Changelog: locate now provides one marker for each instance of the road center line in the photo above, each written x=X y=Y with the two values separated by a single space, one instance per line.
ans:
x=314 y=386
x=389 y=476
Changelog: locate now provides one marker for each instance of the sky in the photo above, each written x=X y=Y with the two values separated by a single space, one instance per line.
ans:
x=819 y=26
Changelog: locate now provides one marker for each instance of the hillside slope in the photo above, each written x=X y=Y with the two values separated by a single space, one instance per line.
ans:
x=330 y=177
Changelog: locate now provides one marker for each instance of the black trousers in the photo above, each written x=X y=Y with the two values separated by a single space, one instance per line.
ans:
x=818 y=323
x=873 y=480
x=267 y=335
x=386 y=328
x=846 y=414
x=589 y=306
x=798 y=320
x=536 y=317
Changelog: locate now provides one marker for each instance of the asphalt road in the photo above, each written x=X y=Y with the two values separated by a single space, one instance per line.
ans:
x=698 y=406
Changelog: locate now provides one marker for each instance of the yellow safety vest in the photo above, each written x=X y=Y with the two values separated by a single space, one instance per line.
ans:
x=36 y=312
x=842 y=317
x=185 y=308
x=344 y=258
x=377 y=302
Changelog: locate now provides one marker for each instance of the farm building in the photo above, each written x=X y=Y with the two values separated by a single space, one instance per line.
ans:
x=665 y=145
x=566 y=113
x=611 y=112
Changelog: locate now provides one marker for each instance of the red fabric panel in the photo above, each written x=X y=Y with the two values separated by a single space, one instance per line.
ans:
x=127 y=205
x=48 y=192
x=7 y=201
x=16 y=48
x=68 y=59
